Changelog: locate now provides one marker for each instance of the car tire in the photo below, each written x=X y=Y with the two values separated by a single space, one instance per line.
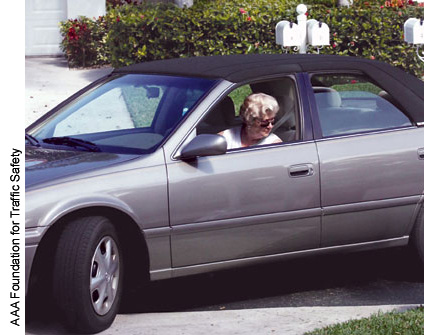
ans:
x=87 y=274
x=417 y=238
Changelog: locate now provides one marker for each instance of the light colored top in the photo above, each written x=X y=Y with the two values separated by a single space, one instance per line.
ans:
x=233 y=137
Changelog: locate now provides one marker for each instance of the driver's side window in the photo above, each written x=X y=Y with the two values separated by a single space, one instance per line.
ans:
x=239 y=113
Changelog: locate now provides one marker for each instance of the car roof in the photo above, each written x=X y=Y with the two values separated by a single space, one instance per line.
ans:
x=243 y=68
x=235 y=68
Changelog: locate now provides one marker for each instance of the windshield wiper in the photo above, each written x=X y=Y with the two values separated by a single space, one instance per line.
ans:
x=32 y=140
x=72 y=142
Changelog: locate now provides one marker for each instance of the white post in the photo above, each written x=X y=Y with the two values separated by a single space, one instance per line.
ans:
x=301 y=22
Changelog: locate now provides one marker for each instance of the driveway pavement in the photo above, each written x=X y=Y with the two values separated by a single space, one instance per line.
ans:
x=48 y=82
x=278 y=321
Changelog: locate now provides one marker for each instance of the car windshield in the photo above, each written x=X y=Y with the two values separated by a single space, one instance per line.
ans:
x=131 y=113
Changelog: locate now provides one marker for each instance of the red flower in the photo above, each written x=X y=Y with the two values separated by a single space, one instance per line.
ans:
x=118 y=19
x=372 y=57
x=353 y=81
x=334 y=45
x=352 y=43
x=242 y=11
x=142 y=16
x=249 y=18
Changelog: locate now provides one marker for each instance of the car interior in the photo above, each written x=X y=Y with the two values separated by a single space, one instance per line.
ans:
x=348 y=112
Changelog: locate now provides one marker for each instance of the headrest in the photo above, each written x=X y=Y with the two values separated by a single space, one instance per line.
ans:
x=327 y=97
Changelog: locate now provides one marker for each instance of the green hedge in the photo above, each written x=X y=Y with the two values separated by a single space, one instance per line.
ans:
x=84 y=41
x=129 y=34
x=218 y=28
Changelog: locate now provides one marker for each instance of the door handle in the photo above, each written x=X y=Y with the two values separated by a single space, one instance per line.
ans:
x=301 y=170
x=420 y=153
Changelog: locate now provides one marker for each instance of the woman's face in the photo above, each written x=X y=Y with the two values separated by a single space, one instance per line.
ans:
x=262 y=126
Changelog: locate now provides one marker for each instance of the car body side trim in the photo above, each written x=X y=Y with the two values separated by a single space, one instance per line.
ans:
x=157 y=232
x=371 y=205
x=224 y=265
x=244 y=221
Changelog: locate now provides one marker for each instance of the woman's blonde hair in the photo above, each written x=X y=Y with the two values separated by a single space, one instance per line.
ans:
x=258 y=105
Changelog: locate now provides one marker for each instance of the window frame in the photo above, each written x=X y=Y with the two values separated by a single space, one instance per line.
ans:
x=303 y=119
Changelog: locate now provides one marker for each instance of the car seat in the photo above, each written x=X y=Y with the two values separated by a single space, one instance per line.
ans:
x=221 y=117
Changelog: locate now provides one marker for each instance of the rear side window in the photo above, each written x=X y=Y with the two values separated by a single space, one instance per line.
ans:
x=351 y=103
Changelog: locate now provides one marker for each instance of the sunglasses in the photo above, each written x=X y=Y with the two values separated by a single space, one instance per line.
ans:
x=265 y=123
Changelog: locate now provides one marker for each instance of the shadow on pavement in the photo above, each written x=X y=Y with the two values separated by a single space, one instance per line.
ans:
x=385 y=277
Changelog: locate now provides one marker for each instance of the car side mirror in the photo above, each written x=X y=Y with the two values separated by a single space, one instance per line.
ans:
x=204 y=145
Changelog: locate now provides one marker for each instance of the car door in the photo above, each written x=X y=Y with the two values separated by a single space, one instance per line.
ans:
x=247 y=203
x=371 y=172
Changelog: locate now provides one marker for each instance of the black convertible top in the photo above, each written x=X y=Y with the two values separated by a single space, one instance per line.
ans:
x=406 y=88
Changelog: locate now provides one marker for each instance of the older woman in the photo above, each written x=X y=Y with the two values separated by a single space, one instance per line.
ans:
x=258 y=115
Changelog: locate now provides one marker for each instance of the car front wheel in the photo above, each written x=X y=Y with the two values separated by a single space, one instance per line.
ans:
x=87 y=274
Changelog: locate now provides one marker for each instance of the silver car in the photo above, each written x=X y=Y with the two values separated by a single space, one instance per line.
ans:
x=128 y=180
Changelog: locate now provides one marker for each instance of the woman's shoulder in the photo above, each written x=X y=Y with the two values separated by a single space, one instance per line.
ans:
x=231 y=131
x=272 y=138
x=232 y=136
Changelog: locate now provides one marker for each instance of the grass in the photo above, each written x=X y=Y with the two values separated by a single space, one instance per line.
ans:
x=410 y=322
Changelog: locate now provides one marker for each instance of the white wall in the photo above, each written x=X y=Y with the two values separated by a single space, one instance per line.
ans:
x=42 y=17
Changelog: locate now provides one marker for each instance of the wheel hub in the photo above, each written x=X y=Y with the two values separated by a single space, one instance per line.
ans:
x=104 y=275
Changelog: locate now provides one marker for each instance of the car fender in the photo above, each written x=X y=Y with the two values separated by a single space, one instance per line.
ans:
x=70 y=205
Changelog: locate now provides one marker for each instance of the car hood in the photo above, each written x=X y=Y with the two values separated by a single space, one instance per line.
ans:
x=46 y=165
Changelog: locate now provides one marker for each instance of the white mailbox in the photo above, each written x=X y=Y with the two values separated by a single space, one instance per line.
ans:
x=182 y=3
x=318 y=33
x=414 y=31
x=287 y=34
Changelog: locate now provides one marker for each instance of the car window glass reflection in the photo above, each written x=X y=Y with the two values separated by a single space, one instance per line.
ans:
x=350 y=104
x=132 y=111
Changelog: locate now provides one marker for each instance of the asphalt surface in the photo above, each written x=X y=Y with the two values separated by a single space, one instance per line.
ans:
x=284 y=298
